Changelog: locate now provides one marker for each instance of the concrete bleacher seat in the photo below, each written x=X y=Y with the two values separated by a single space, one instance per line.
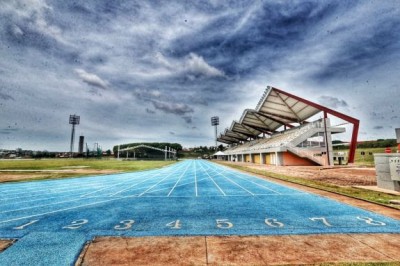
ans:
x=280 y=139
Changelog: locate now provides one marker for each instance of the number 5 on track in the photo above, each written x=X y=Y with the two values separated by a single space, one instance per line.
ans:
x=224 y=223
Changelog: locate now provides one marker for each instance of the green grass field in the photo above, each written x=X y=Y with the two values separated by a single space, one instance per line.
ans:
x=60 y=164
x=24 y=170
x=368 y=158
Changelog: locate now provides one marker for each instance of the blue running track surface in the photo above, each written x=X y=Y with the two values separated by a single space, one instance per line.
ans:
x=52 y=220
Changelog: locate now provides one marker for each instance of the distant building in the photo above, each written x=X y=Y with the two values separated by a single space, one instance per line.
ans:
x=81 y=143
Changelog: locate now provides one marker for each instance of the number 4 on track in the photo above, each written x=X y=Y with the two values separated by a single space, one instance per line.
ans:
x=174 y=225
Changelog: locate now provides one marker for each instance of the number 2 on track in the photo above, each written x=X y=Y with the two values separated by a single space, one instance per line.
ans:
x=76 y=224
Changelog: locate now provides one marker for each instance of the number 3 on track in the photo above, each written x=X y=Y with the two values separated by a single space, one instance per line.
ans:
x=126 y=224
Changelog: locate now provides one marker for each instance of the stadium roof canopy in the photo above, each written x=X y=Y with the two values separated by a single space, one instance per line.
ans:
x=278 y=108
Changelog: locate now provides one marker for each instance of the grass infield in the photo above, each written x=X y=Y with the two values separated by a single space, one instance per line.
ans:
x=63 y=168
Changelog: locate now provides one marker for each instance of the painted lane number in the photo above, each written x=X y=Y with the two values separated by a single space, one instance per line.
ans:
x=370 y=221
x=25 y=225
x=76 y=224
x=273 y=222
x=126 y=224
x=174 y=224
x=224 y=223
x=322 y=219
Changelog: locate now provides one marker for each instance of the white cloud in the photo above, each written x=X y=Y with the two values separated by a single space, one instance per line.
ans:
x=332 y=102
x=91 y=79
x=197 y=65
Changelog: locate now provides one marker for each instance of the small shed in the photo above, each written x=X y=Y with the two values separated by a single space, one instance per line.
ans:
x=219 y=155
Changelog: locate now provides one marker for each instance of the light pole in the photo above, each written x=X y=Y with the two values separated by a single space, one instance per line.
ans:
x=73 y=120
x=215 y=122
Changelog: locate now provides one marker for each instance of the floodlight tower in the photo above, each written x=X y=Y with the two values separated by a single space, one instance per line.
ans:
x=73 y=120
x=215 y=122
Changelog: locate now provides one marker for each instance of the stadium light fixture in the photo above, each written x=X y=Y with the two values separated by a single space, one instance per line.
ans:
x=73 y=120
x=215 y=122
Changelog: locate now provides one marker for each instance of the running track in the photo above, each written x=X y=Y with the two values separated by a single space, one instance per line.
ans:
x=52 y=220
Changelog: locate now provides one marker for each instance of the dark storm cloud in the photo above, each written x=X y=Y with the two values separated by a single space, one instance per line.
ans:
x=150 y=111
x=8 y=131
x=365 y=50
x=148 y=65
x=28 y=29
x=332 y=102
x=188 y=119
x=254 y=35
x=165 y=103
x=6 y=97
x=173 y=108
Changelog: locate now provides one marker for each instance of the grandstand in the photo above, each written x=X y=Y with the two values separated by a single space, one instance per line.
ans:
x=277 y=132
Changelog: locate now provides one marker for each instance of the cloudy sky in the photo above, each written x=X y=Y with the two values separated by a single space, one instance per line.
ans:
x=158 y=70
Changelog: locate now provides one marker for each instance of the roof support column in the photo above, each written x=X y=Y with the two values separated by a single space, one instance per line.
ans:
x=327 y=139
x=355 y=122
x=353 y=144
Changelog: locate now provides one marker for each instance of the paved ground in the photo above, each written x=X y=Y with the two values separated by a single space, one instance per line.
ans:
x=54 y=219
x=243 y=250
x=338 y=175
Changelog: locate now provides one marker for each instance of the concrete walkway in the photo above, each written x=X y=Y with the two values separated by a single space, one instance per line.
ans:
x=243 y=250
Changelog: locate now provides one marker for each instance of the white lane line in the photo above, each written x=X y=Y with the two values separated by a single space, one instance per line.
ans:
x=78 y=190
x=43 y=194
x=213 y=181
x=195 y=179
x=40 y=199
x=43 y=205
x=65 y=209
x=128 y=188
x=180 y=185
x=69 y=208
x=46 y=185
x=179 y=179
x=246 y=179
x=57 y=185
x=233 y=182
x=59 y=191
x=125 y=181
x=75 y=189
x=144 y=192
